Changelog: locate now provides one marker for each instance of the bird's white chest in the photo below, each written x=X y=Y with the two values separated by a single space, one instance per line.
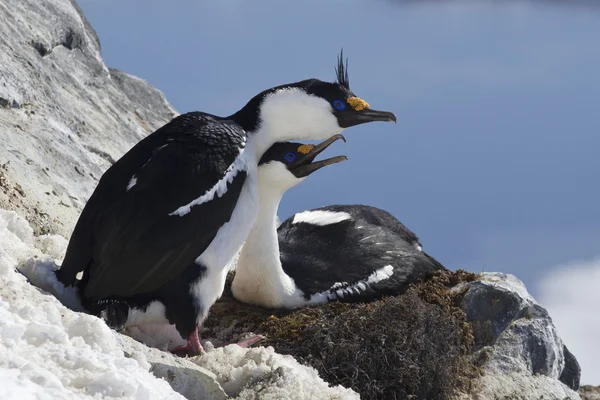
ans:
x=227 y=244
x=233 y=233
x=216 y=258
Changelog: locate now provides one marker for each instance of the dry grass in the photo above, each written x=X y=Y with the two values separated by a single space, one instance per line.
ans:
x=415 y=346
x=588 y=392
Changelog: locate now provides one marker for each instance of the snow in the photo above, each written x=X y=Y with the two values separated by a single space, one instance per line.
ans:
x=48 y=351
x=246 y=372
x=509 y=283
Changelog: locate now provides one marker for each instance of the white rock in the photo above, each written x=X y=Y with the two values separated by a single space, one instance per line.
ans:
x=64 y=116
x=526 y=359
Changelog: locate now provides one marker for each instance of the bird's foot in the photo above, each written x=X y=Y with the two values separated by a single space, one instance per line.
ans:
x=249 y=342
x=192 y=348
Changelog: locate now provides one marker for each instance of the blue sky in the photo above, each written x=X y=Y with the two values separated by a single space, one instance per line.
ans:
x=494 y=159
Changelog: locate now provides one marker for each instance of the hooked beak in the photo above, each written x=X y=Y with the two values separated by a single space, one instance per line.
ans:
x=305 y=166
x=350 y=118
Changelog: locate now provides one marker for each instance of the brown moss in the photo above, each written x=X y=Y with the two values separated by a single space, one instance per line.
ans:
x=588 y=392
x=415 y=346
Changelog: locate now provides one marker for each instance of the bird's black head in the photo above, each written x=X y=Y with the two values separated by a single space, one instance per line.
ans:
x=349 y=109
x=310 y=109
x=291 y=162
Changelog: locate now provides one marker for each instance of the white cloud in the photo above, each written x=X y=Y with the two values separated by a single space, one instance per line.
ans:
x=571 y=294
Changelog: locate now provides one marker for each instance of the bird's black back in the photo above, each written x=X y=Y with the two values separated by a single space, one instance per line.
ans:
x=317 y=257
x=125 y=239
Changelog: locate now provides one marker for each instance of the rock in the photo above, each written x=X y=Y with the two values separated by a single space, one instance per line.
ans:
x=496 y=385
x=522 y=353
x=64 y=116
x=185 y=377
x=571 y=374
x=588 y=392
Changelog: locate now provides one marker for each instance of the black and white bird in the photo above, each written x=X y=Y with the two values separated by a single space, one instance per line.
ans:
x=155 y=237
x=350 y=253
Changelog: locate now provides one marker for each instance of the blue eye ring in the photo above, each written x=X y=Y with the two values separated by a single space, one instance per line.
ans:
x=290 y=157
x=339 y=105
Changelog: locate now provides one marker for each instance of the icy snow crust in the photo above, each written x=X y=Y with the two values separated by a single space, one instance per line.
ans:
x=48 y=351
x=261 y=373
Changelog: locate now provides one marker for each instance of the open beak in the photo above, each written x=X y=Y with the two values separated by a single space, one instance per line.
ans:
x=305 y=166
x=350 y=118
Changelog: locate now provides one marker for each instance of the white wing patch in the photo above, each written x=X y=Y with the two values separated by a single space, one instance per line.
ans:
x=240 y=164
x=342 y=289
x=131 y=183
x=320 y=217
x=380 y=274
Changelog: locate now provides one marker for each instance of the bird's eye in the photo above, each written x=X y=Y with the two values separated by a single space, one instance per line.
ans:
x=339 y=105
x=290 y=157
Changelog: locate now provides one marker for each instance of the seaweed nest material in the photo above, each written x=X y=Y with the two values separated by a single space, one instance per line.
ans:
x=414 y=346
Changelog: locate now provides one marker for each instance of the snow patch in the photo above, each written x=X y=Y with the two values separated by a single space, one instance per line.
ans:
x=48 y=351
x=509 y=283
x=53 y=245
x=262 y=373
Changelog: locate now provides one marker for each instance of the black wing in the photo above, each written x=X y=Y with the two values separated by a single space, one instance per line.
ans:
x=129 y=240
x=377 y=217
x=343 y=254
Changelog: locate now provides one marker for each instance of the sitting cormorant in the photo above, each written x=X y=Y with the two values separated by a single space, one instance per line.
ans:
x=335 y=253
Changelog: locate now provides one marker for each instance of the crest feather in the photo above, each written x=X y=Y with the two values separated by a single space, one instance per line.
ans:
x=341 y=71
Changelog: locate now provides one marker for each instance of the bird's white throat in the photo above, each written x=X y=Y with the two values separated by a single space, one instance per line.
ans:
x=259 y=277
x=292 y=114
x=286 y=114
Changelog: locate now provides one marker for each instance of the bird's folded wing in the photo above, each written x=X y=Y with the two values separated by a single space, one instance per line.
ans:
x=154 y=227
x=342 y=255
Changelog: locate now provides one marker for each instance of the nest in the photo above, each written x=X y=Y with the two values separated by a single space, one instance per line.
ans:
x=414 y=346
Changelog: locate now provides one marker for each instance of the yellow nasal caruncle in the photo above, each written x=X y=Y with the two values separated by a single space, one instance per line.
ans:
x=305 y=148
x=357 y=103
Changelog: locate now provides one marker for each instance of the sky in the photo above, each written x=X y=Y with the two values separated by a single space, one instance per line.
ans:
x=494 y=159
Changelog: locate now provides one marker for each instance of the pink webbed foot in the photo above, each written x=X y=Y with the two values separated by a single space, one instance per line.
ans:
x=192 y=348
x=249 y=342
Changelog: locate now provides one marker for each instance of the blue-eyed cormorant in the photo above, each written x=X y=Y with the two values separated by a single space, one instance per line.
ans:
x=165 y=220
x=334 y=253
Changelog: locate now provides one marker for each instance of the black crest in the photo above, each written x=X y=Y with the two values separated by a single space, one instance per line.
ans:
x=341 y=71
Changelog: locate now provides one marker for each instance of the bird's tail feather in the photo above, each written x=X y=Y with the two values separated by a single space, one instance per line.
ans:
x=113 y=311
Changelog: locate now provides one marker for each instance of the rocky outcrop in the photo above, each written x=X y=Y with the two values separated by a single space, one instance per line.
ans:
x=64 y=116
x=521 y=351
x=64 y=119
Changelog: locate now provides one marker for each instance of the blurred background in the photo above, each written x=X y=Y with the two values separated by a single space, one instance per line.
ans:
x=494 y=159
